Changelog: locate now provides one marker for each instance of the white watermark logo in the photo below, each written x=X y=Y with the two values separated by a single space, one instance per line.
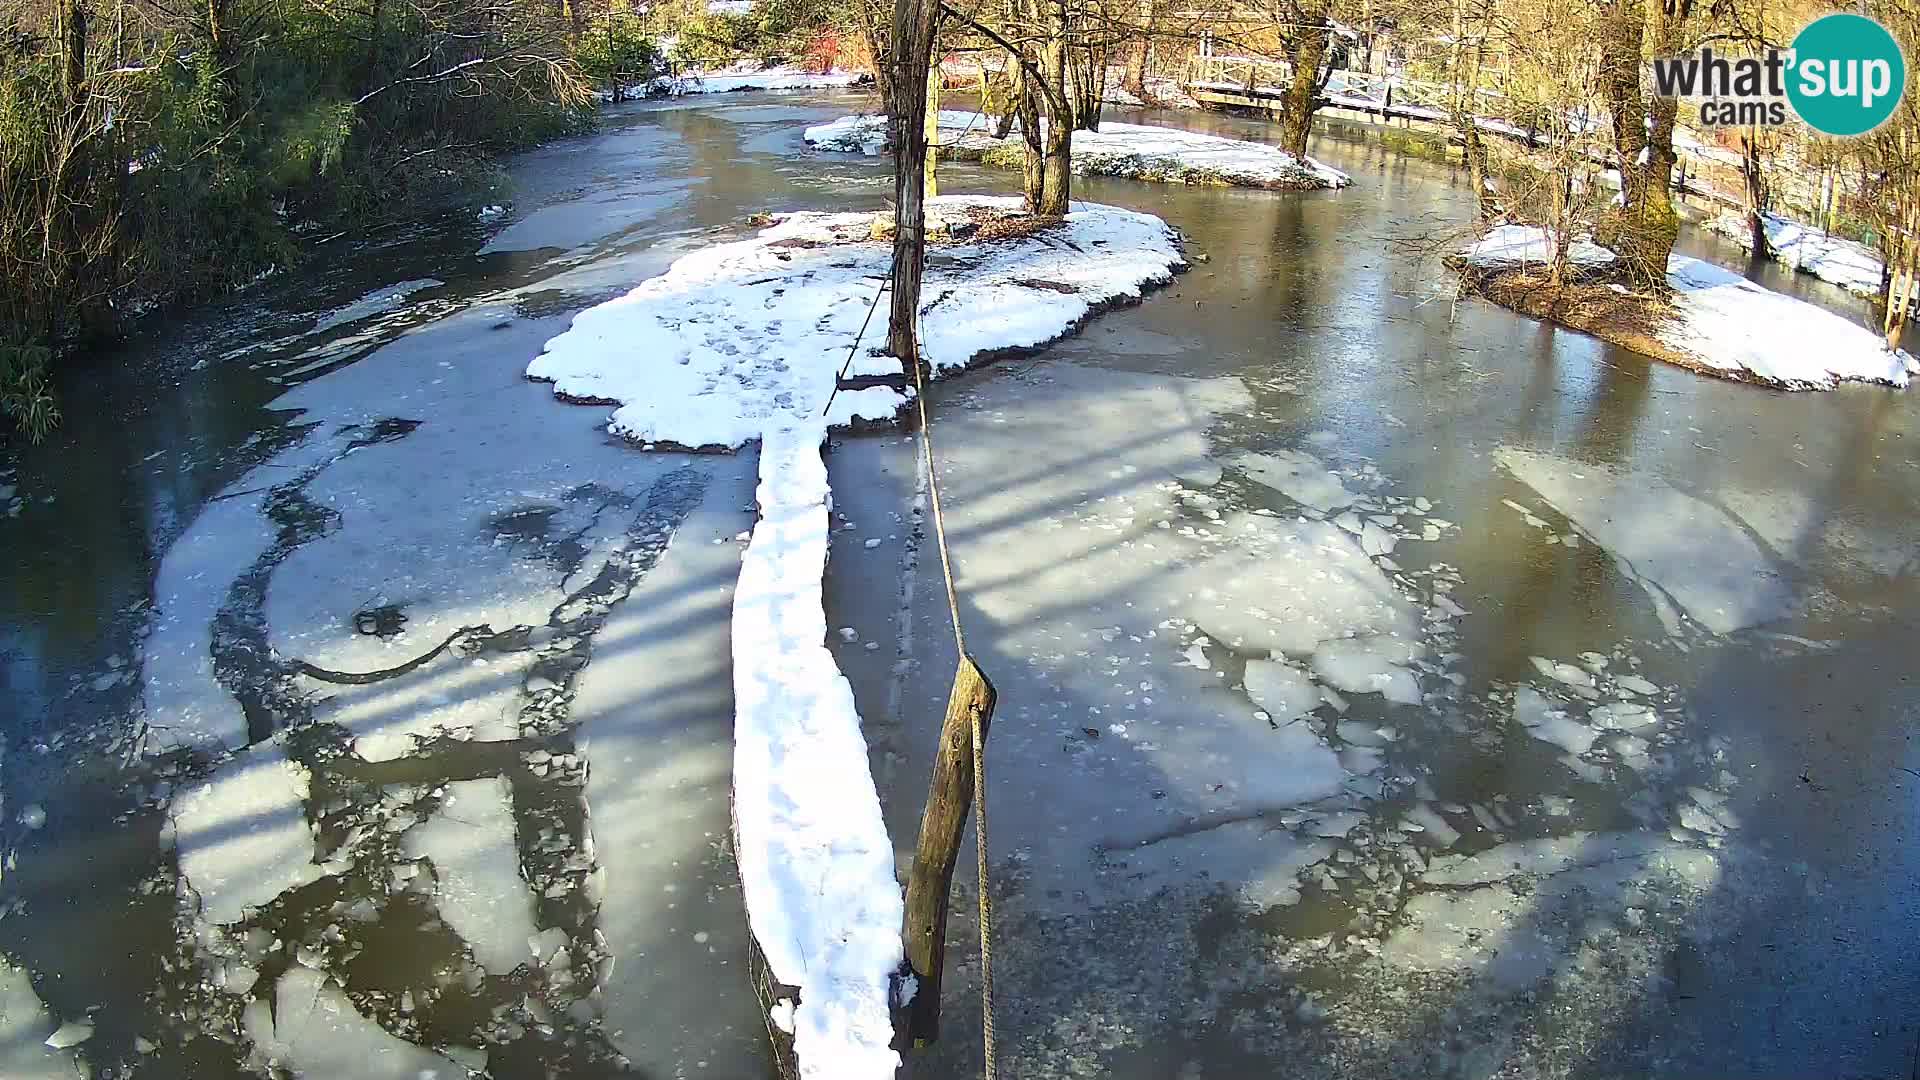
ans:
x=1844 y=75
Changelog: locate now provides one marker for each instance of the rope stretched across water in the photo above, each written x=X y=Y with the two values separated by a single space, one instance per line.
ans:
x=975 y=735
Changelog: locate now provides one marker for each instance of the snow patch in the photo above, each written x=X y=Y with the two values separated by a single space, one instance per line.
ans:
x=1510 y=246
x=773 y=78
x=1729 y=323
x=1723 y=322
x=1853 y=266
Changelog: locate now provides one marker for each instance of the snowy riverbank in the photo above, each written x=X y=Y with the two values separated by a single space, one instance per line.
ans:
x=1132 y=151
x=1715 y=321
x=1853 y=266
x=729 y=80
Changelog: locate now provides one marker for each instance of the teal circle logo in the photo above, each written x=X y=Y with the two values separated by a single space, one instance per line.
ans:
x=1846 y=76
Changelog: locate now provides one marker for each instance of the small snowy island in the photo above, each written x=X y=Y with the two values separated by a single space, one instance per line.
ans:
x=1132 y=151
x=1713 y=320
x=741 y=338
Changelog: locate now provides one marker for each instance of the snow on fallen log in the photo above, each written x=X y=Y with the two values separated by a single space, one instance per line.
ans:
x=816 y=864
x=1131 y=151
x=1714 y=320
x=742 y=337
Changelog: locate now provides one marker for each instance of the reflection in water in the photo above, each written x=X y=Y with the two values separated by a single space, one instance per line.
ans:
x=1350 y=348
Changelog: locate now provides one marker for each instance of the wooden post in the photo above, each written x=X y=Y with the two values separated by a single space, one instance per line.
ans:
x=942 y=826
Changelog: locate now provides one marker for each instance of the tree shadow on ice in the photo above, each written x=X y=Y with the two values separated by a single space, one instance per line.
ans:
x=1346 y=935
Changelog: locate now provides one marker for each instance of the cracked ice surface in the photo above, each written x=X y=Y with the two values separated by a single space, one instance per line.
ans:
x=25 y=1028
x=742 y=337
x=479 y=891
x=1100 y=572
x=1684 y=552
x=242 y=835
x=313 y=1030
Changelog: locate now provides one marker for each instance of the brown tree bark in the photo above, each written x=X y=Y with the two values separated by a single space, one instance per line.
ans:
x=1757 y=194
x=914 y=23
x=872 y=19
x=1033 y=173
x=1135 y=80
x=1645 y=228
x=1057 y=135
x=1466 y=110
x=1004 y=126
x=1306 y=48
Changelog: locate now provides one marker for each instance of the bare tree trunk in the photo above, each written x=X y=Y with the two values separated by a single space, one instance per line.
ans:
x=1033 y=163
x=1757 y=195
x=1057 y=138
x=1014 y=101
x=1307 y=49
x=1466 y=112
x=913 y=33
x=1645 y=229
x=1135 y=80
x=873 y=34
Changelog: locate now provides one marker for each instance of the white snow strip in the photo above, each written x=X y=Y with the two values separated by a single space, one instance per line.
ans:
x=470 y=842
x=1136 y=151
x=1680 y=549
x=1853 y=266
x=1724 y=322
x=773 y=78
x=741 y=337
x=815 y=860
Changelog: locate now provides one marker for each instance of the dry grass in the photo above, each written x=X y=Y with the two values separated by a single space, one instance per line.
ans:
x=1631 y=320
x=974 y=225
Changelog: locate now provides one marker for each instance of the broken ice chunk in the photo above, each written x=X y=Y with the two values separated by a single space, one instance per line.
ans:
x=1374 y=664
x=1280 y=689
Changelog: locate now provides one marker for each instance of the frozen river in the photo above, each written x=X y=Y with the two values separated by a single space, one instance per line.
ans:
x=1388 y=687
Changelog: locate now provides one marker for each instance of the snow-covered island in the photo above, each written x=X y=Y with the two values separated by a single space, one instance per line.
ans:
x=739 y=338
x=1714 y=321
x=1133 y=151
x=744 y=341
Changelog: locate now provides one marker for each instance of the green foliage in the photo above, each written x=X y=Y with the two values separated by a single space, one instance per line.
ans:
x=616 y=51
x=783 y=30
x=177 y=158
x=26 y=397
